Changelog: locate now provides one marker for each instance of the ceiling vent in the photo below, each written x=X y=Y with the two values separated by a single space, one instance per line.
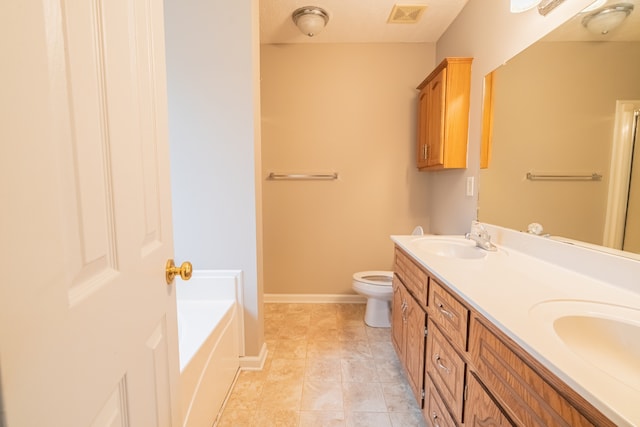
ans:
x=406 y=14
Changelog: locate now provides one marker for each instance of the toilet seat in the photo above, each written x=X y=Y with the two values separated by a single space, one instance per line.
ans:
x=374 y=278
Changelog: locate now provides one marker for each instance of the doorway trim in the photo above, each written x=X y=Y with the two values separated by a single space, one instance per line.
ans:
x=619 y=173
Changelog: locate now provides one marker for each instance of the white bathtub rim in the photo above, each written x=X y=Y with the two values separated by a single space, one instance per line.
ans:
x=193 y=289
x=224 y=310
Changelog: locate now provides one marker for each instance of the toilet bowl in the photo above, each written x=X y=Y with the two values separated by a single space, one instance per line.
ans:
x=376 y=287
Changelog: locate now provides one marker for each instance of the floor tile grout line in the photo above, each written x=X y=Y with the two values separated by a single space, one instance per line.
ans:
x=347 y=318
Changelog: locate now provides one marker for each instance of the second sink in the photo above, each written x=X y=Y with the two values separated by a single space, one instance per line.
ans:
x=605 y=335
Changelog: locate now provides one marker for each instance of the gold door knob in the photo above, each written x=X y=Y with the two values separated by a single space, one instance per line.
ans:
x=184 y=271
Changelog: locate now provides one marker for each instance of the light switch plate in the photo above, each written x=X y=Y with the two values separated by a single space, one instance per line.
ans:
x=470 y=185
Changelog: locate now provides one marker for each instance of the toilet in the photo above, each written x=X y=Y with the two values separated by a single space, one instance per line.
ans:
x=376 y=286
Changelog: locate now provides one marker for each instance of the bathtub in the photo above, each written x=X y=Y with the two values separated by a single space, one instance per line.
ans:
x=209 y=343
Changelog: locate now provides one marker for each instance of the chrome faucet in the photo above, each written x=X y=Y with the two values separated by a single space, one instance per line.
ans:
x=481 y=236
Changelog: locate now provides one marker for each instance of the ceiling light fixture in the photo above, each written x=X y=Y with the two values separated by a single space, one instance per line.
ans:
x=607 y=19
x=310 y=19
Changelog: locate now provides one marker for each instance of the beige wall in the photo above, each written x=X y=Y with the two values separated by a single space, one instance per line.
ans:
x=564 y=98
x=348 y=108
x=487 y=31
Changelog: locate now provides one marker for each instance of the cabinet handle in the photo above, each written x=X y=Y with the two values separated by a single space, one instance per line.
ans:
x=445 y=311
x=436 y=358
x=425 y=151
x=434 y=417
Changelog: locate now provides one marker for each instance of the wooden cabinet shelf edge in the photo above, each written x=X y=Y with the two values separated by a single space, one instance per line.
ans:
x=443 y=116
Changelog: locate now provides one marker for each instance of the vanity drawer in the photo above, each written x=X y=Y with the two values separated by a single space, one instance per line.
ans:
x=435 y=410
x=480 y=409
x=449 y=314
x=527 y=398
x=446 y=369
x=413 y=277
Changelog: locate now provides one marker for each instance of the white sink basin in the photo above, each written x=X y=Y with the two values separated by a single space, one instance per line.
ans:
x=605 y=335
x=450 y=247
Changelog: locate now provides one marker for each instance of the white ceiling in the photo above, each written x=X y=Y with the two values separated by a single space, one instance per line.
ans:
x=357 y=21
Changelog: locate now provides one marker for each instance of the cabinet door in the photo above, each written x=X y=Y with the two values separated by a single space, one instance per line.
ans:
x=480 y=409
x=423 y=147
x=398 y=318
x=435 y=119
x=415 y=345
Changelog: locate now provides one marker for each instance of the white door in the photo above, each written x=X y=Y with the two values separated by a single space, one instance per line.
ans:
x=88 y=332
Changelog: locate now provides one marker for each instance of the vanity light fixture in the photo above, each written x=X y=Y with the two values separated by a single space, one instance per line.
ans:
x=597 y=4
x=609 y=18
x=310 y=19
x=547 y=6
x=518 y=6
x=544 y=6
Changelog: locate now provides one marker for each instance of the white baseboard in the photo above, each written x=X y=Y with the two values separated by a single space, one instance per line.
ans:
x=315 y=298
x=254 y=363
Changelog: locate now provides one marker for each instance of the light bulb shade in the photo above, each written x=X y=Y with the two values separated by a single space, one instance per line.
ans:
x=310 y=19
x=605 y=20
x=518 y=6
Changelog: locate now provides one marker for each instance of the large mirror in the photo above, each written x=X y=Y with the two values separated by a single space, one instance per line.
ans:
x=562 y=133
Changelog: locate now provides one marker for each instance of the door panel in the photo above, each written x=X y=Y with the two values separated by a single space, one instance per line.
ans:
x=88 y=326
x=415 y=342
x=398 y=319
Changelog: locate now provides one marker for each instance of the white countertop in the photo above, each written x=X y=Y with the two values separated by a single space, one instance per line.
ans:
x=508 y=287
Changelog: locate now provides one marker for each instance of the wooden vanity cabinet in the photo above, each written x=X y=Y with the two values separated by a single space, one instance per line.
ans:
x=472 y=373
x=528 y=392
x=443 y=115
x=409 y=320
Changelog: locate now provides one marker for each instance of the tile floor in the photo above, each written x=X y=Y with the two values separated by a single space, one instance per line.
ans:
x=325 y=368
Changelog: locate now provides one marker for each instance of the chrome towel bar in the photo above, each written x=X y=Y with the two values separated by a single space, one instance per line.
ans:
x=550 y=177
x=302 y=176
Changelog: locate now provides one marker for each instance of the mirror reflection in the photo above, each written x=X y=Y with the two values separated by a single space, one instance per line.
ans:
x=564 y=124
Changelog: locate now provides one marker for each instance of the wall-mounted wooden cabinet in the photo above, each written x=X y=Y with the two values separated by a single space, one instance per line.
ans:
x=443 y=115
